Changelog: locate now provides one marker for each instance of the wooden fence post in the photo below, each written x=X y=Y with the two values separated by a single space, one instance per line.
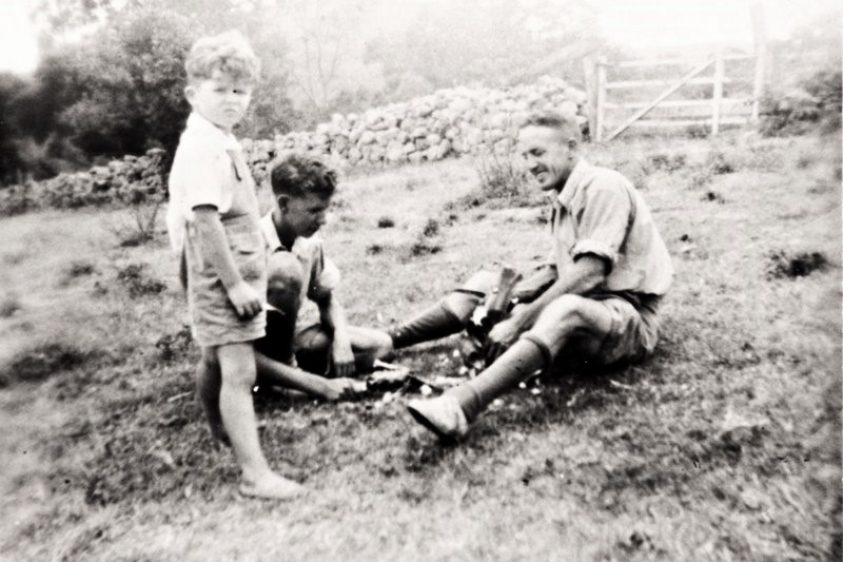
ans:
x=717 y=97
x=590 y=95
x=601 y=99
x=760 y=34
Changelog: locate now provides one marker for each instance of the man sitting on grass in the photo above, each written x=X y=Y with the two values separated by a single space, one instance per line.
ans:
x=598 y=298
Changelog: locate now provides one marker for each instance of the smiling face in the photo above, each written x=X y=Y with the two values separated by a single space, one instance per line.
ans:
x=221 y=99
x=548 y=154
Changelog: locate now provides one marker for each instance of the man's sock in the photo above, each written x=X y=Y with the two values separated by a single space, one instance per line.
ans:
x=526 y=356
x=436 y=322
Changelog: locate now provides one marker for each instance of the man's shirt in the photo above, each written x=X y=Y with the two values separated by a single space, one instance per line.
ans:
x=321 y=275
x=598 y=212
x=207 y=164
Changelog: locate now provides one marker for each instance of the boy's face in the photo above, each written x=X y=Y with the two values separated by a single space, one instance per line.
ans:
x=549 y=156
x=220 y=99
x=304 y=216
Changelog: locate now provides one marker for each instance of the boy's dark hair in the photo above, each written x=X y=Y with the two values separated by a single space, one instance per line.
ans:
x=551 y=119
x=297 y=175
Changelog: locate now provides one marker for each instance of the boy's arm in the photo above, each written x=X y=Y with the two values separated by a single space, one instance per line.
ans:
x=332 y=316
x=214 y=246
x=279 y=374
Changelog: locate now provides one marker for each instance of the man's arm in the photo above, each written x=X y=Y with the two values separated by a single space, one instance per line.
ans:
x=587 y=273
x=279 y=374
x=214 y=247
x=333 y=319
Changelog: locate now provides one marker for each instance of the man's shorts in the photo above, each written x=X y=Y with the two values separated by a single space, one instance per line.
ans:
x=632 y=336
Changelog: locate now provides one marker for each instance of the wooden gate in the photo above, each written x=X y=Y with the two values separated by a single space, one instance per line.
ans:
x=712 y=111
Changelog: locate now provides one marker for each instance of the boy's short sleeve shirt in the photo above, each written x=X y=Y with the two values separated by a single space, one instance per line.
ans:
x=599 y=213
x=200 y=175
x=322 y=275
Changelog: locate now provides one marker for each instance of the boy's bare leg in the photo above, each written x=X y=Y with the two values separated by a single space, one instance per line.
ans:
x=208 y=383
x=237 y=364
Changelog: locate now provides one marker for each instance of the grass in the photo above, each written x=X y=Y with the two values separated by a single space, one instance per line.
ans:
x=724 y=446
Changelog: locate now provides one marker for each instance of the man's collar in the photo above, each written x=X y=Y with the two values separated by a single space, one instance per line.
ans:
x=570 y=187
x=198 y=124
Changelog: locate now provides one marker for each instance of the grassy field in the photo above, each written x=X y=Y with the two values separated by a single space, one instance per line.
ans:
x=725 y=446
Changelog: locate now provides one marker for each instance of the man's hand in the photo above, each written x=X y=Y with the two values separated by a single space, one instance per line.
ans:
x=342 y=389
x=342 y=357
x=247 y=302
x=501 y=336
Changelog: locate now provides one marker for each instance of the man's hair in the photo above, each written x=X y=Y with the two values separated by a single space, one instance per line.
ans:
x=298 y=175
x=228 y=52
x=552 y=120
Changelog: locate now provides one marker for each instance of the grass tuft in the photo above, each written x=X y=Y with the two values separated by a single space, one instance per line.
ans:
x=137 y=281
x=41 y=362
x=783 y=265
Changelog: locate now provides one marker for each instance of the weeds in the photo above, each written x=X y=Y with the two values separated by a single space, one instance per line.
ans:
x=42 y=362
x=781 y=264
x=386 y=222
x=718 y=164
x=668 y=163
x=431 y=228
x=136 y=280
x=9 y=306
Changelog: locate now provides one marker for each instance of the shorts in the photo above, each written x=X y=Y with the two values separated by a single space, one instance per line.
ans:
x=632 y=336
x=214 y=319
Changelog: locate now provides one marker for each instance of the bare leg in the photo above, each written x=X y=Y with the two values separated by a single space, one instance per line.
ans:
x=237 y=364
x=208 y=383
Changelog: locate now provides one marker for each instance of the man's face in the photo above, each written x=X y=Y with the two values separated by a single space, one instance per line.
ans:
x=548 y=155
x=305 y=215
x=220 y=99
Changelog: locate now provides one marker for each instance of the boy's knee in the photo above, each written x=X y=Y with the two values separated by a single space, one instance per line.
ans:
x=237 y=365
x=285 y=278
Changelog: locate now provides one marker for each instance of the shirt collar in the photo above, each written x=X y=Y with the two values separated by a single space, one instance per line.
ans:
x=197 y=124
x=270 y=234
x=566 y=195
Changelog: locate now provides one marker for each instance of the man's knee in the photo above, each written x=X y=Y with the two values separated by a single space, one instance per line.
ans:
x=482 y=281
x=285 y=279
x=470 y=294
x=567 y=309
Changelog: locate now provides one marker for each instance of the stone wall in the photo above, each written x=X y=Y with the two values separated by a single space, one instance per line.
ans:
x=447 y=123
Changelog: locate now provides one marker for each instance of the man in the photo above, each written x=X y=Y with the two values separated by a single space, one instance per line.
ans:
x=599 y=296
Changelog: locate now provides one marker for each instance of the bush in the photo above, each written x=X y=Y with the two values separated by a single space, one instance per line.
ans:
x=814 y=106
x=138 y=282
x=41 y=362
x=386 y=222
x=801 y=264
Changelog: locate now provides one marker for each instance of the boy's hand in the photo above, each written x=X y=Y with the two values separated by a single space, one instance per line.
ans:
x=342 y=389
x=247 y=302
x=343 y=358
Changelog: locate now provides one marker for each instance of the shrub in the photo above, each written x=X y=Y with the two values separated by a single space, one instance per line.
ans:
x=138 y=282
x=667 y=162
x=502 y=179
x=431 y=228
x=719 y=164
x=386 y=222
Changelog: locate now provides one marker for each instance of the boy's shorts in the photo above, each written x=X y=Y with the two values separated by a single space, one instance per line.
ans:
x=214 y=319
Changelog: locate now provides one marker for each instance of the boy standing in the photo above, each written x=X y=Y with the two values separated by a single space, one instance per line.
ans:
x=213 y=224
x=302 y=188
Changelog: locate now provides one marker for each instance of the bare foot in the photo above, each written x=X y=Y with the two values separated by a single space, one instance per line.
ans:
x=271 y=486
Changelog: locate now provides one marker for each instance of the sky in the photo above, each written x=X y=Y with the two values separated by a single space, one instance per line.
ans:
x=637 y=24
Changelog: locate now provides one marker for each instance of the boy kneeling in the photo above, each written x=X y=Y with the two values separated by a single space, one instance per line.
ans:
x=302 y=189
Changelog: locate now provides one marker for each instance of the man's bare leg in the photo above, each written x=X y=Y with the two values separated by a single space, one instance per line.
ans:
x=237 y=364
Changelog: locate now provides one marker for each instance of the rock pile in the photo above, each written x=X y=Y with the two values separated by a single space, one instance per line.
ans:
x=447 y=123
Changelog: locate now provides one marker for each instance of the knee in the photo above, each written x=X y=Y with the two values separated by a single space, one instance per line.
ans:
x=482 y=281
x=567 y=309
x=284 y=280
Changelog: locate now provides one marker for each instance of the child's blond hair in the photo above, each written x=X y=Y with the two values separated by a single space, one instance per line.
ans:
x=228 y=52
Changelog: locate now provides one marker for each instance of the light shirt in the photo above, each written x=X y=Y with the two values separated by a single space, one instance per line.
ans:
x=598 y=212
x=203 y=173
x=321 y=275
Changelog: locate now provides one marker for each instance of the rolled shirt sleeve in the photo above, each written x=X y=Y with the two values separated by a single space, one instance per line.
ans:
x=603 y=223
